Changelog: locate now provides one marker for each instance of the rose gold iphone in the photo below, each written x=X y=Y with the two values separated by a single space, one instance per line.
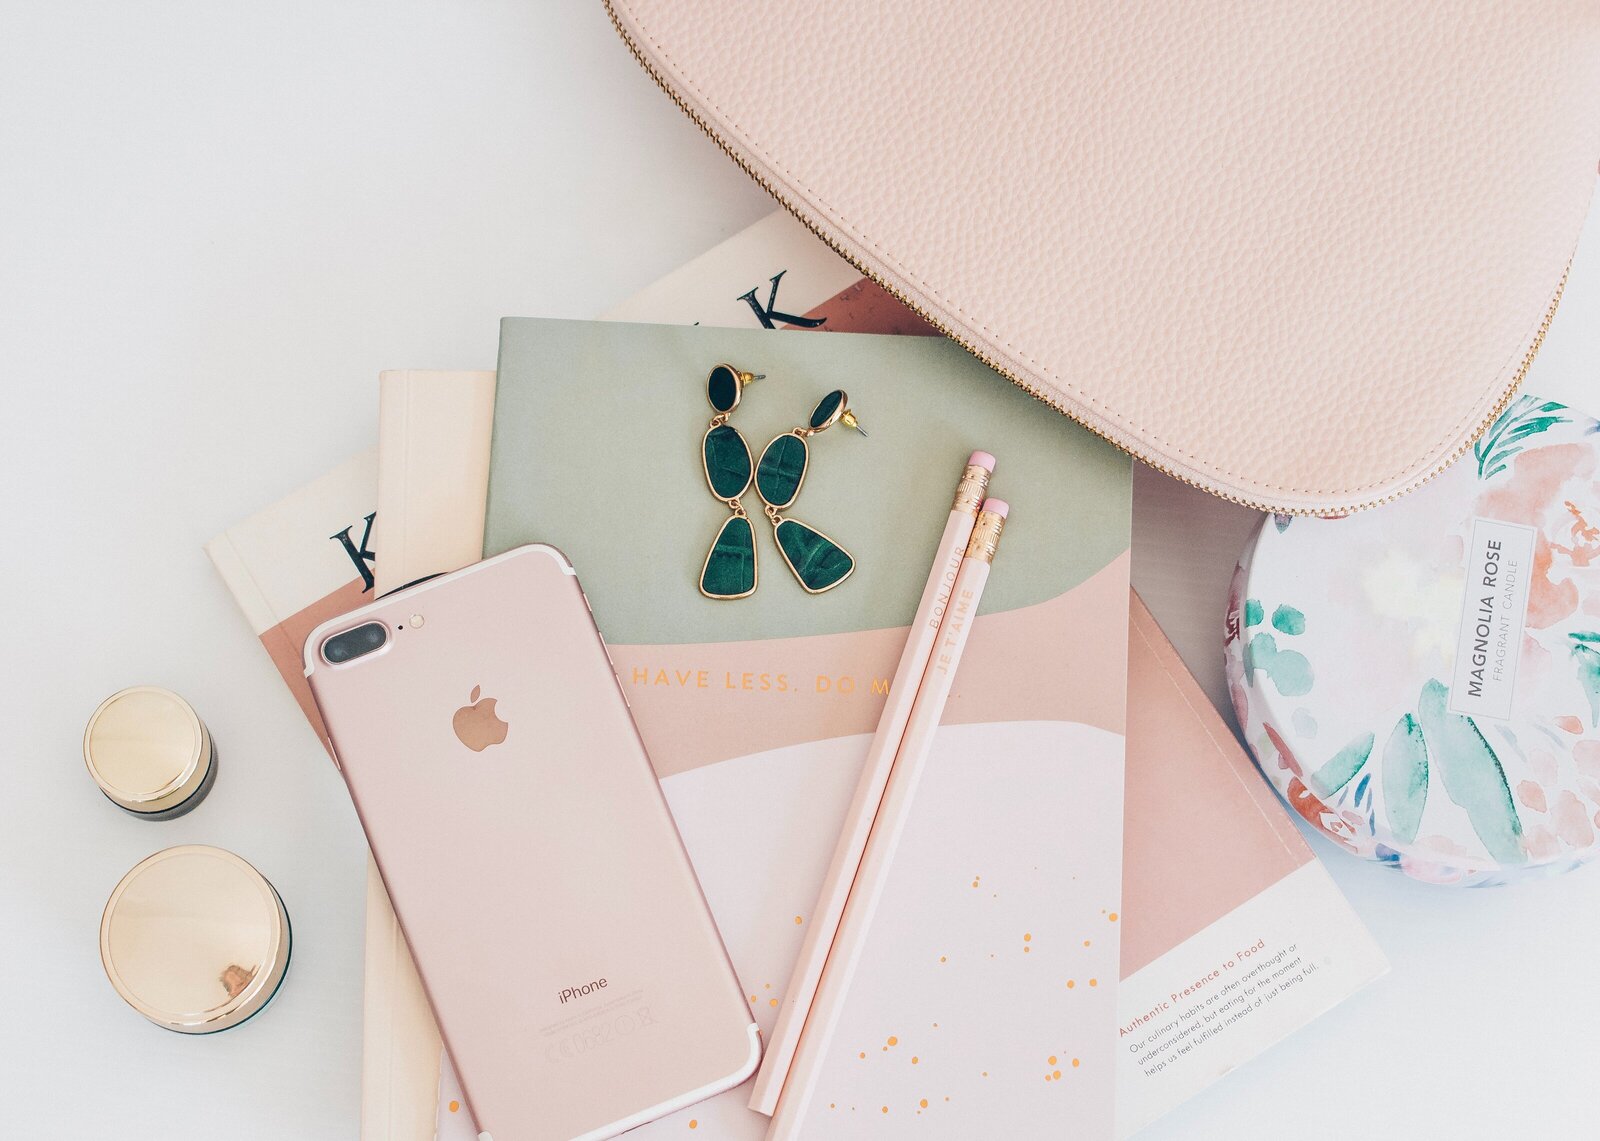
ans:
x=565 y=946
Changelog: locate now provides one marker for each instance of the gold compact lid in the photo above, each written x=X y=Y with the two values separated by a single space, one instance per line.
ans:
x=146 y=748
x=195 y=939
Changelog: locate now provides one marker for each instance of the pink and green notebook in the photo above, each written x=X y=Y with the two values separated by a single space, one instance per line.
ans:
x=986 y=1000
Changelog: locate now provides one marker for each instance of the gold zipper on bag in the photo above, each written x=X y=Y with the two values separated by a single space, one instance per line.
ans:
x=1033 y=390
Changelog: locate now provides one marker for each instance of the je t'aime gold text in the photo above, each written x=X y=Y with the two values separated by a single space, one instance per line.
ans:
x=953 y=626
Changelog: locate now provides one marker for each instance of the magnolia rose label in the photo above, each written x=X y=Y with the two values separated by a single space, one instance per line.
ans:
x=1494 y=609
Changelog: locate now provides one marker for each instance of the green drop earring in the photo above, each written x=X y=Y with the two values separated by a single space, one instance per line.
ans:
x=819 y=564
x=730 y=567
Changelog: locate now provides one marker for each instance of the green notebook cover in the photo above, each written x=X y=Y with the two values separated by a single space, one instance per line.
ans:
x=597 y=449
x=757 y=712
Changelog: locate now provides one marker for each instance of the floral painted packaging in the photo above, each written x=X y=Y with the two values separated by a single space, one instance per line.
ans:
x=1422 y=681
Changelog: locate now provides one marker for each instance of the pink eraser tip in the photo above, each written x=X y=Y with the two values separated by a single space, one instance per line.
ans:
x=981 y=459
x=997 y=507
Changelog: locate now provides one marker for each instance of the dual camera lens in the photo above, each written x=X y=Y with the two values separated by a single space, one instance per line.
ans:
x=355 y=643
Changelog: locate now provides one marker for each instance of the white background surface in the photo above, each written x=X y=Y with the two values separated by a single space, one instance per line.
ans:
x=217 y=223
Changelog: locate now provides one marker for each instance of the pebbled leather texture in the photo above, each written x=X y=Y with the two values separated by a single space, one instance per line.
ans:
x=1296 y=254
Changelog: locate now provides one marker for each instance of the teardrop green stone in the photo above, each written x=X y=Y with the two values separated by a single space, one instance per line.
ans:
x=722 y=389
x=727 y=461
x=730 y=570
x=817 y=561
x=782 y=469
x=826 y=407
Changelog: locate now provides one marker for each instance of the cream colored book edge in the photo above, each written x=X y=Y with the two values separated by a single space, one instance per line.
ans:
x=426 y=474
x=399 y=1039
x=439 y=476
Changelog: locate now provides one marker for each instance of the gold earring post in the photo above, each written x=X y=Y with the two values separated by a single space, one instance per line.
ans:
x=834 y=408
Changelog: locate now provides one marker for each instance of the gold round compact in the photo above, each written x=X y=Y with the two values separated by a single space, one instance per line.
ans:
x=150 y=753
x=195 y=939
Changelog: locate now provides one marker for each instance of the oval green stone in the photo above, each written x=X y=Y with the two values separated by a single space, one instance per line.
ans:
x=722 y=388
x=782 y=469
x=727 y=460
x=730 y=570
x=817 y=561
x=826 y=407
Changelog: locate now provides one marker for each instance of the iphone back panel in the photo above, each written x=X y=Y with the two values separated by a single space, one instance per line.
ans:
x=579 y=982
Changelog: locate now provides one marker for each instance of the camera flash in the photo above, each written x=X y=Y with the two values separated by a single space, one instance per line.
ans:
x=416 y=621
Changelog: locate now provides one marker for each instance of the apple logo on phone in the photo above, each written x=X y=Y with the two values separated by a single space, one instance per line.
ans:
x=477 y=724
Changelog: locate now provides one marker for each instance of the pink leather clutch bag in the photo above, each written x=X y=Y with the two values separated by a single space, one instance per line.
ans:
x=1300 y=255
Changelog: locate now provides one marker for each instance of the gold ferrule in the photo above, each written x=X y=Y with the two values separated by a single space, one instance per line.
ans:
x=985 y=539
x=971 y=490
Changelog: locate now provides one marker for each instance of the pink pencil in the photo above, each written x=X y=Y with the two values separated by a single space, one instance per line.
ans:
x=830 y=905
x=893 y=811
